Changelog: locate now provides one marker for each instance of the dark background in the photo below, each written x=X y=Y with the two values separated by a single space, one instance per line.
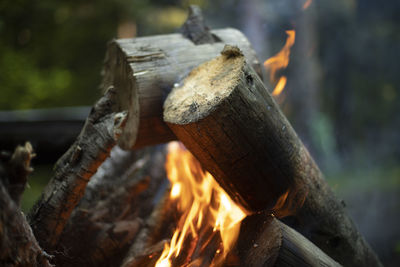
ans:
x=342 y=95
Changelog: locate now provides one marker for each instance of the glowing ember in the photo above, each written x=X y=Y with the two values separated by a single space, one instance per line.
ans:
x=280 y=61
x=209 y=216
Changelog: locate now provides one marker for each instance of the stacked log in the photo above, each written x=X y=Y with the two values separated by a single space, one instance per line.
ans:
x=145 y=69
x=116 y=212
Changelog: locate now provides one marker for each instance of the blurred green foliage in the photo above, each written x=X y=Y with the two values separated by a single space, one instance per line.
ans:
x=36 y=183
x=52 y=51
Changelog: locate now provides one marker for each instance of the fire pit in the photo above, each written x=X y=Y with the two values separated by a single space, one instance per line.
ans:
x=244 y=191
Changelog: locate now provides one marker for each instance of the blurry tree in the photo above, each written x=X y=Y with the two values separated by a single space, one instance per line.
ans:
x=52 y=51
x=359 y=47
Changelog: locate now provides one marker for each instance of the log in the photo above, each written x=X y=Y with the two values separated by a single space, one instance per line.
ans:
x=266 y=241
x=74 y=170
x=225 y=116
x=224 y=127
x=145 y=69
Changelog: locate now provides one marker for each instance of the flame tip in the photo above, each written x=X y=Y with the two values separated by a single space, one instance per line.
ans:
x=280 y=61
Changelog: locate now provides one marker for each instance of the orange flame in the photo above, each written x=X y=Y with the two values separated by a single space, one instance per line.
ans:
x=306 y=4
x=290 y=202
x=205 y=209
x=280 y=61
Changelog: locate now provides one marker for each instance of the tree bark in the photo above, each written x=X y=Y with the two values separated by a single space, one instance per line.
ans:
x=74 y=170
x=225 y=116
x=145 y=69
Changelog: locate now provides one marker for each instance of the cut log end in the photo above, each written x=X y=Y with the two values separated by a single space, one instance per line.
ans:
x=220 y=114
x=204 y=88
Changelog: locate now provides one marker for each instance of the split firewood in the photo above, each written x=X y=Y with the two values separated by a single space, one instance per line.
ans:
x=145 y=69
x=18 y=245
x=74 y=170
x=225 y=116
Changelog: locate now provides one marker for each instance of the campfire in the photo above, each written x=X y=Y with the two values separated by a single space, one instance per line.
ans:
x=242 y=189
x=209 y=217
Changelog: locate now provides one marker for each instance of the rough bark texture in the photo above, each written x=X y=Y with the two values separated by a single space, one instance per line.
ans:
x=226 y=117
x=265 y=241
x=18 y=246
x=73 y=171
x=117 y=202
x=145 y=69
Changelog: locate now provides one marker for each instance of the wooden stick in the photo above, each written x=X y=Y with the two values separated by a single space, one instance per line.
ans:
x=145 y=69
x=225 y=116
x=73 y=171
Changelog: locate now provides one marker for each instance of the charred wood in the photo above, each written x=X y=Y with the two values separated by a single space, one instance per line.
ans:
x=157 y=228
x=113 y=210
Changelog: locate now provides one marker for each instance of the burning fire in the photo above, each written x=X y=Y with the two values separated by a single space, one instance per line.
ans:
x=280 y=61
x=210 y=219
